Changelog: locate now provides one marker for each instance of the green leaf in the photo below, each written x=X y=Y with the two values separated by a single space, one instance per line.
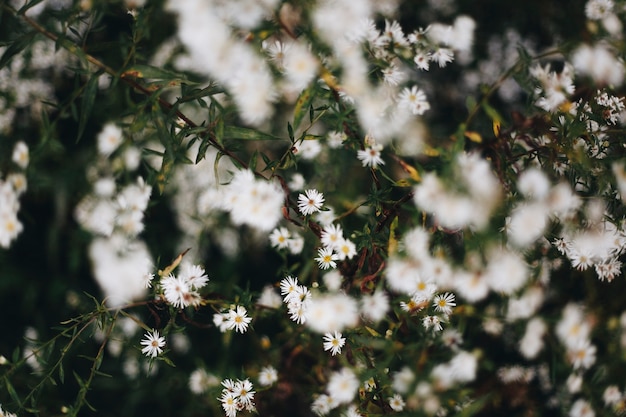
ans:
x=219 y=131
x=302 y=105
x=492 y=113
x=12 y=392
x=290 y=131
x=196 y=93
x=243 y=133
x=89 y=97
x=16 y=46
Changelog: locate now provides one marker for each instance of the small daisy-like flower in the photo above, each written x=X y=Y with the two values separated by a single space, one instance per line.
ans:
x=581 y=260
x=230 y=403
x=422 y=60
x=346 y=249
x=220 y=320
x=414 y=100
x=267 y=376
x=147 y=280
x=153 y=344
x=396 y=402
x=310 y=202
x=331 y=235
x=279 y=238
x=288 y=287
x=326 y=258
x=442 y=56
x=176 y=291
x=238 y=319
x=243 y=389
x=415 y=304
x=195 y=276
x=20 y=154
x=370 y=156
x=334 y=342
x=444 y=303
x=433 y=322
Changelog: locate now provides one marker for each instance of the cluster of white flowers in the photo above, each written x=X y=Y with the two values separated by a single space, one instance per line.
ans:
x=283 y=238
x=554 y=88
x=236 y=318
x=11 y=188
x=182 y=290
x=341 y=388
x=253 y=202
x=335 y=247
x=529 y=219
x=600 y=63
x=613 y=106
x=574 y=331
x=297 y=298
x=598 y=246
x=237 y=396
x=230 y=60
x=470 y=206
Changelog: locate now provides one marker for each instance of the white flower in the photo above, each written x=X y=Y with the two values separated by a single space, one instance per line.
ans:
x=200 y=380
x=243 y=389
x=343 y=385
x=153 y=344
x=326 y=258
x=256 y=203
x=288 y=288
x=331 y=236
x=396 y=402
x=370 y=156
x=581 y=408
x=374 y=307
x=582 y=355
x=177 y=291
x=195 y=275
x=444 y=303
x=109 y=139
x=331 y=313
x=279 y=238
x=414 y=100
x=269 y=298
x=267 y=376
x=20 y=154
x=238 y=319
x=310 y=202
x=532 y=342
x=334 y=342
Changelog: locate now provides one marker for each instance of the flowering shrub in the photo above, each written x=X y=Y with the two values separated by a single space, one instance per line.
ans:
x=325 y=207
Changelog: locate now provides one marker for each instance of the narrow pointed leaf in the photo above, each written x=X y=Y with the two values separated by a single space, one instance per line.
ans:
x=302 y=105
x=243 y=133
x=16 y=47
x=89 y=97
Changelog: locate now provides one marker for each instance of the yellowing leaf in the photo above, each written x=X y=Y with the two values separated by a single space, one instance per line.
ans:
x=496 y=128
x=473 y=136
x=373 y=332
x=393 y=240
x=430 y=151
x=173 y=265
